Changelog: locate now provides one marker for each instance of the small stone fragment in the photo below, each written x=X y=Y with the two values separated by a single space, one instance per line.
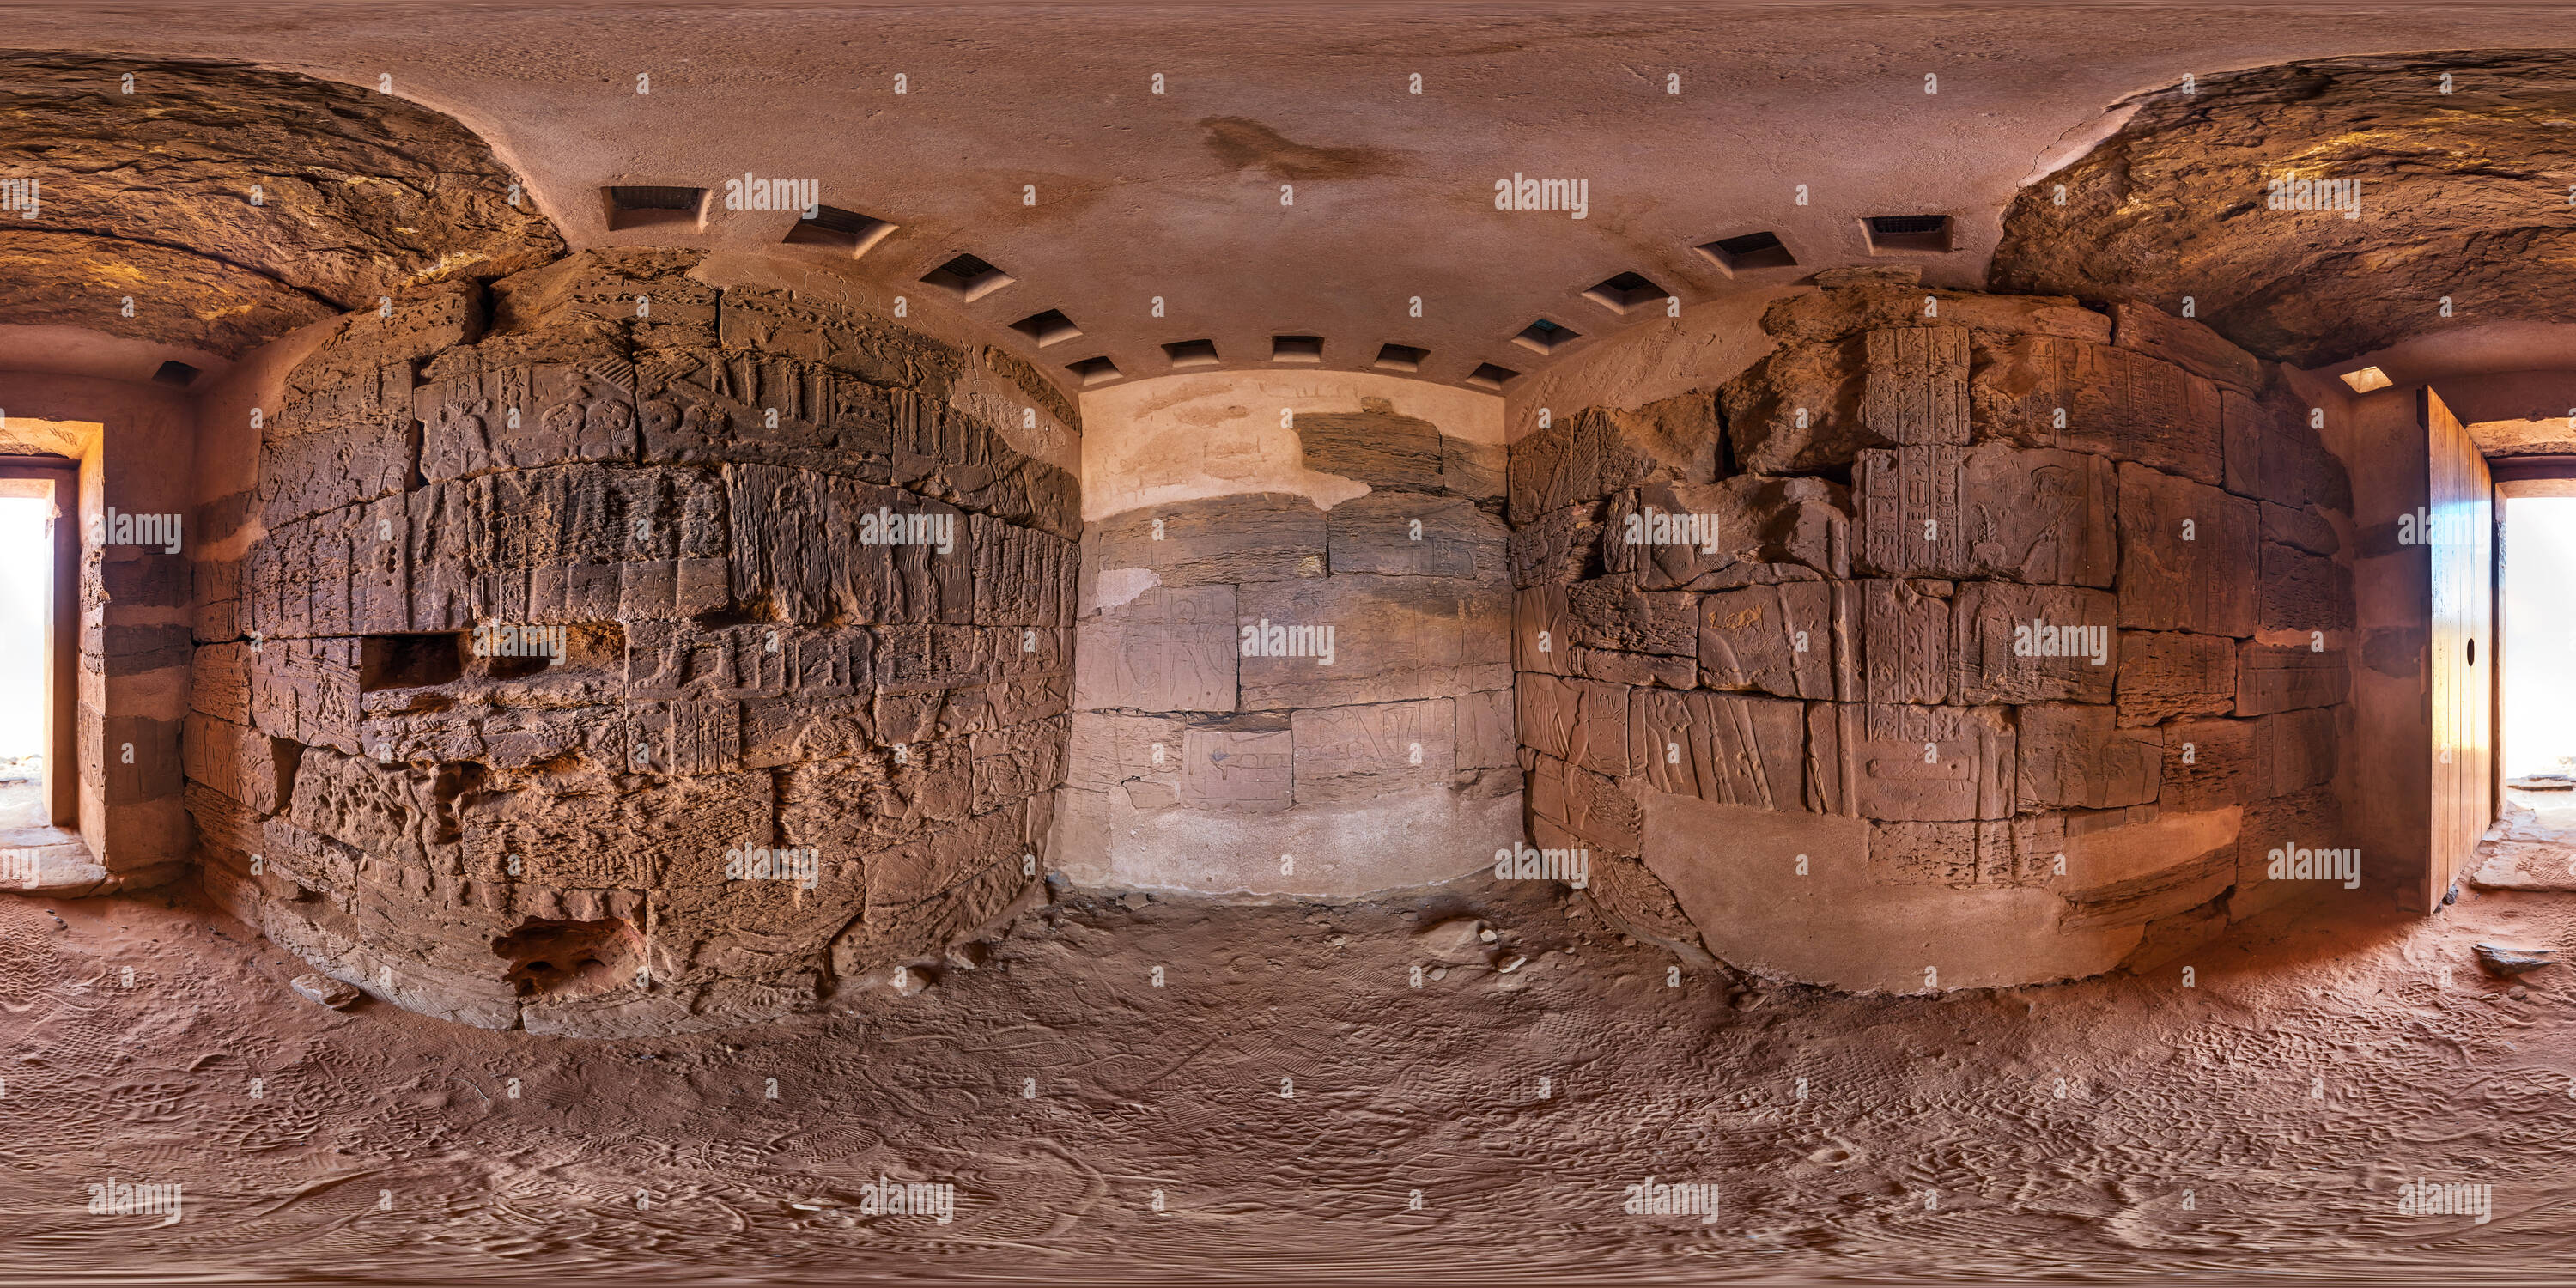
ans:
x=1452 y=941
x=1514 y=964
x=909 y=980
x=2514 y=961
x=1487 y=934
x=325 y=990
x=968 y=956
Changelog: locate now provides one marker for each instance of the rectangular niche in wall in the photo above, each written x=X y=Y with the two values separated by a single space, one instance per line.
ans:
x=1191 y=353
x=1400 y=357
x=1296 y=348
x=1094 y=371
x=969 y=277
x=1050 y=327
x=846 y=231
x=1626 y=291
x=1907 y=234
x=673 y=209
x=1743 y=254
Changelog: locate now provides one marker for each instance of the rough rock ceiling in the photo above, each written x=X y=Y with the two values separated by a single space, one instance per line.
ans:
x=147 y=196
x=2466 y=198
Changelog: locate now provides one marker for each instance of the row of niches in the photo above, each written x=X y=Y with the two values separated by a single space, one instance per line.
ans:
x=968 y=278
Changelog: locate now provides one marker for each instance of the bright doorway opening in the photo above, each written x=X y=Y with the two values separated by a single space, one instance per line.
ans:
x=2539 y=700
x=26 y=598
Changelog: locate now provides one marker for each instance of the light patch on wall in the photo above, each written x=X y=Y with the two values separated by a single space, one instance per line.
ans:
x=2367 y=379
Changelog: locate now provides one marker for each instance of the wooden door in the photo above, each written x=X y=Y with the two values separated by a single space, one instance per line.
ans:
x=2462 y=663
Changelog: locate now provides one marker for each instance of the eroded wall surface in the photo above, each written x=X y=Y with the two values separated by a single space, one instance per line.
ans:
x=1292 y=674
x=1963 y=640
x=612 y=652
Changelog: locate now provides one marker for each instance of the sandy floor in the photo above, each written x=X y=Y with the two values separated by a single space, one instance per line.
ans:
x=2260 y=1122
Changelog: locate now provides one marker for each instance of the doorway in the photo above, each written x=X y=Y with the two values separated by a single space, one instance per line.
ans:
x=39 y=640
x=2539 y=662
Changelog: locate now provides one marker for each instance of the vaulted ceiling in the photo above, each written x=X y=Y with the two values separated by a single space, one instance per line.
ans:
x=1287 y=180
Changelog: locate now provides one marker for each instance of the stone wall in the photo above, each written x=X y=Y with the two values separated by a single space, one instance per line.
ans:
x=2020 y=641
x=1220 y=743
x=570 y=608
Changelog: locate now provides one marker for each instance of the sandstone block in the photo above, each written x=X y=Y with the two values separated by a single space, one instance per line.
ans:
x=1022 y=577
x=525 y=415
x=1485 y=738
x=2051 y=392
x=1256 y=537
x=1916 y=387
x=1684 y=535
x=1165 y=650
x=1648 y=669
x=2310 y=820
x=2074 y=755
x=306 y=691
x=1242 y=766
x=340 y=445
x=2185 y=343
x=1613 y=613
x=1936 y=854
x=2299 y=591
x=2014 y=643
x=1910 y=763
x=1587 y=806
x=1721 y=748
x=1777 y=639
x=1800 y=409
x=2035 y=515
x=1559 y=546
x=2175 y=673
x=1105 y=750
x=1596 y=452
x=396 y=812
x=2302 y=527
x=2209 y=764
x=1393 y=639
x=1018 y=761
x=1374 y=446
x=613 y=830
x=1582 y=722
x=875 y=350
x=2185 y=549
x=1543 y=630
x=2295 y=750
x=1474 y=470
x=219 y=681
x=1406 y=534
x=2285 y=677
x=1905 y=639
x=708 y=407
x=802 y=542
x=241 y=762
x=1362 y=753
